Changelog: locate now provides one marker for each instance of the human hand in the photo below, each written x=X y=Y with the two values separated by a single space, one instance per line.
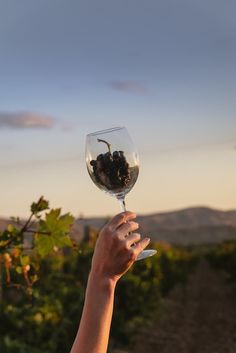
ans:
x=114 y=252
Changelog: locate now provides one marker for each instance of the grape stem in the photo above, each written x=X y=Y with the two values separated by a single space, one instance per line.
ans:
x=107 y=143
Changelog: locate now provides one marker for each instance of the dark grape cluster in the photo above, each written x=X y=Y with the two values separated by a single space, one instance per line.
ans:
x=111 y=170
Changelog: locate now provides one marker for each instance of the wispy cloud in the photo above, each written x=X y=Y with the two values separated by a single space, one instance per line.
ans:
x=128 y=86
x=26 y=120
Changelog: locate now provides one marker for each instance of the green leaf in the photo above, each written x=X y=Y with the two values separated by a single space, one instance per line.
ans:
x=55 y=223
x=39 y=206
x=5 y=235
x=44 y=244
x=10 y=228
x=24 y=260
x=62 y=241
x=19 y=270
x=56 y=227
x=50 y=224
x=66 y=221
x=3 y=244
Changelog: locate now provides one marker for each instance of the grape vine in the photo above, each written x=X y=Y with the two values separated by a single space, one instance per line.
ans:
x=24 y=244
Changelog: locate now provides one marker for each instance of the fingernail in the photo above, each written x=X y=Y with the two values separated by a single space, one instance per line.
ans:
x=147 y=240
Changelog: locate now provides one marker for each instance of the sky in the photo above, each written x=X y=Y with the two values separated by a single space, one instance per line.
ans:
x=165 y=69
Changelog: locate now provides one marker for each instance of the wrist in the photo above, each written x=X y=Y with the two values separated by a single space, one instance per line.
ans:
x=101 y=281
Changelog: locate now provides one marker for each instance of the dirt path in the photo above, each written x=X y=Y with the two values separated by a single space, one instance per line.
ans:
x=198 y=319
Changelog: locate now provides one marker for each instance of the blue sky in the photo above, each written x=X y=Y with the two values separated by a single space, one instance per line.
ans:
x=164 y=69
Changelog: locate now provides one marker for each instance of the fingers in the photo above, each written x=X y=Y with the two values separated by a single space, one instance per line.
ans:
x=135 y=250
x=126 y=228
x=139 y=247
x=132 y=238
x=121 y=218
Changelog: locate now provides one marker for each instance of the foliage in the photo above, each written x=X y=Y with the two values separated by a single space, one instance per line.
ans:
x=141 y=290
x=47 y=320
x=223 y=257
x=23 y=245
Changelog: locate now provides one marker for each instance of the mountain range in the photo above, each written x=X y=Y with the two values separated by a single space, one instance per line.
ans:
x=196 y=225
x=189 y=226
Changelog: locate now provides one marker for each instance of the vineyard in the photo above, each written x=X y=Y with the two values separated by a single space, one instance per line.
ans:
x=223 y=257
x=42 y=292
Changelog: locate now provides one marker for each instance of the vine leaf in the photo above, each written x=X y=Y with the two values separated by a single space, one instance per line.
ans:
x=53 y=232
x=50 y=232
x=39 y=206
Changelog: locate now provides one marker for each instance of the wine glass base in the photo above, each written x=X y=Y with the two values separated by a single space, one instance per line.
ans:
x=146 y=253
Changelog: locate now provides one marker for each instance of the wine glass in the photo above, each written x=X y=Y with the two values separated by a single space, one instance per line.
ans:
x=113 y=164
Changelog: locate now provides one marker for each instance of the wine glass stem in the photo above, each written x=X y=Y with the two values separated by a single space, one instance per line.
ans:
x=122 y=204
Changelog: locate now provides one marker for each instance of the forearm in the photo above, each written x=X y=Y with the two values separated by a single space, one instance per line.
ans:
x=114 y=254
x=93 y=333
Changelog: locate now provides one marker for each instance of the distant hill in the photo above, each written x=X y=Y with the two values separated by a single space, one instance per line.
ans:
x=3 y=223
x=189 y=218
x=194 y=225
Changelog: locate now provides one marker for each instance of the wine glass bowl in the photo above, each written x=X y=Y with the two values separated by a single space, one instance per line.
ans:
x=112 y=161
x=113 y=165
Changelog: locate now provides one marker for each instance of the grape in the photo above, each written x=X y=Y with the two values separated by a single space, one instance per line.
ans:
x=111 y=169
x=100 y=157
x=116 y=155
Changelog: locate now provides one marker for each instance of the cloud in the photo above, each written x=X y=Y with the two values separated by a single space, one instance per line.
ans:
x=26 y=120
x=128 y=86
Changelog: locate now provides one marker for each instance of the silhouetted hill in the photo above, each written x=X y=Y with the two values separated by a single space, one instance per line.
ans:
x=194 y=225
x=189 y=218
